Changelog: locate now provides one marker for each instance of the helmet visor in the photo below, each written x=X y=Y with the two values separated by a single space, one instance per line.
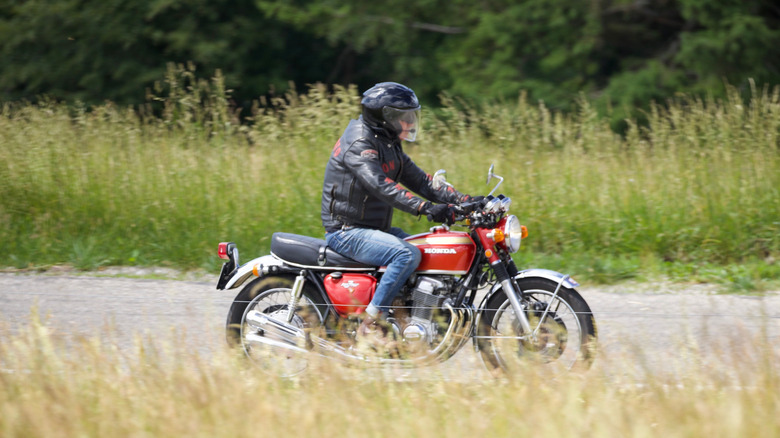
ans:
x=404 y=121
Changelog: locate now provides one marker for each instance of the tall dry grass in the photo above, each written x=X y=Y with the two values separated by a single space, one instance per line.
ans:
x=52 y=387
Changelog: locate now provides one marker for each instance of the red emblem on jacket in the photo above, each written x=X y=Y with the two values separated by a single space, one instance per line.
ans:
x=337 y=148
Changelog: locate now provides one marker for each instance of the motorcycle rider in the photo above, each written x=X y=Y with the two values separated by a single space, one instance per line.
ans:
x=363 y=185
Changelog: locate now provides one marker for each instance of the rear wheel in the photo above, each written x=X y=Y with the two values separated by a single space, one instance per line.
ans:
x=271 y=296
x=562 y=339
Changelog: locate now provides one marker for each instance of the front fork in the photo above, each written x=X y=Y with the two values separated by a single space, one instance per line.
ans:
x=506 y=274
x=512 y=292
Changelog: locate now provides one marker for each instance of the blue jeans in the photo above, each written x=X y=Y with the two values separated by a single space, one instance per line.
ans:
x=374 y=247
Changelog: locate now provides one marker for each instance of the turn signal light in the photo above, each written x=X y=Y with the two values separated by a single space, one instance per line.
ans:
x=222 y=251
x=497 y=235
x=523 y=231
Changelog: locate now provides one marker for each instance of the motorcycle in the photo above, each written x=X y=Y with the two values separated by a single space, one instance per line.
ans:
x=304 y=299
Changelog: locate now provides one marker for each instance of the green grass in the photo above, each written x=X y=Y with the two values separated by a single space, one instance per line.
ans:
x=695 y=191
x=90 y=386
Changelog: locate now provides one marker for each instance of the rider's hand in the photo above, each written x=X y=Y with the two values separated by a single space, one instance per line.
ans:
x=441 y=213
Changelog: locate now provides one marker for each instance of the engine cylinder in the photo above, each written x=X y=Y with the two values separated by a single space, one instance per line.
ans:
x=424 y=297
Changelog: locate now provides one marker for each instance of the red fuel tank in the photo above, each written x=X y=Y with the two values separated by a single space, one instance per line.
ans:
x=350 y=293
x=444 y=252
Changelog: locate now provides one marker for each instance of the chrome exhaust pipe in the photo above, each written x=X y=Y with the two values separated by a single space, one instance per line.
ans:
x=273 y=332
x=255 y=339
x=279 y=334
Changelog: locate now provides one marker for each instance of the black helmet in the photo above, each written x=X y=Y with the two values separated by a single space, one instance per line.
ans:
x=394 y=107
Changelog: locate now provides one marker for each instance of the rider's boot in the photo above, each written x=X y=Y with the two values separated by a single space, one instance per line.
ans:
x=372 y=335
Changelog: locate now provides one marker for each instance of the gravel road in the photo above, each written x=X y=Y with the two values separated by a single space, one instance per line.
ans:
x=661 y=324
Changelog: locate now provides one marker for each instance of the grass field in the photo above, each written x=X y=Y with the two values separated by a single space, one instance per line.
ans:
x=50 y=387
x=694 y=195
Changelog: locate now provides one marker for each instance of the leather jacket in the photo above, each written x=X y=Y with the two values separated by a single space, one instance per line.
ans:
x=364 y=178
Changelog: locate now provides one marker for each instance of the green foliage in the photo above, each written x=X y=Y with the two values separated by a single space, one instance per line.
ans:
x=543 y=47
x=95 y=50
x=622 y=55
x=731 y=38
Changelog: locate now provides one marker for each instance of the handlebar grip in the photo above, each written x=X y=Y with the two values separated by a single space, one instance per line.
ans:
x=468 y=207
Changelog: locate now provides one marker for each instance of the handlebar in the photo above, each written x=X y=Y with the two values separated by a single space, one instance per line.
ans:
x=463 y=211
x=482 y=212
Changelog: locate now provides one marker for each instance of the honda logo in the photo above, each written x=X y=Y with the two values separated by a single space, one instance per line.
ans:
x=440 y=251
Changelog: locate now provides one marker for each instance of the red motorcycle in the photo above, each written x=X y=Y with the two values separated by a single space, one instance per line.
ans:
x=304 y=299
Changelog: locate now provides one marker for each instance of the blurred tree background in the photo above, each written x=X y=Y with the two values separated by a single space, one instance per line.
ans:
x=621 y=54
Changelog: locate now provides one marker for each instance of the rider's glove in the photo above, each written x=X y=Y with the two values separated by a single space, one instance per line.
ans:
x=441 y=213
x=470 y=199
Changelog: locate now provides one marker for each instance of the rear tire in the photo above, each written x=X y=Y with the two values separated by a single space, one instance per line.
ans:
x=564 y=341
x=271 y=295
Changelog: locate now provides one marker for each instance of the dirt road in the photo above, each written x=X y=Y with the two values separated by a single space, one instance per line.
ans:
x=660 y=324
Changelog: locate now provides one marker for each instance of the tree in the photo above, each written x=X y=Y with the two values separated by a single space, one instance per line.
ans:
x=94 y=50
x=621 y=53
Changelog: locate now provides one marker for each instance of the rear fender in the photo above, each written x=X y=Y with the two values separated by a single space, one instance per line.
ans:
x=270 y=265
x=254 y=268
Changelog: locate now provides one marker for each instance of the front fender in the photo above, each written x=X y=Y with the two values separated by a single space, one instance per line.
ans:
x=547 y=274
x=568 y=282
x=255 y=267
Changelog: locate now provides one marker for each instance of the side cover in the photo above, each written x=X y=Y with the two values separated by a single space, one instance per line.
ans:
x=350 y=293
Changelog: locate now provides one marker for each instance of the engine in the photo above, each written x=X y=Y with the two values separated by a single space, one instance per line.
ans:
x=420 y=327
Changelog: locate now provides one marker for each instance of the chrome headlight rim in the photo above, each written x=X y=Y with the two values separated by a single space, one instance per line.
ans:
x=513 y=233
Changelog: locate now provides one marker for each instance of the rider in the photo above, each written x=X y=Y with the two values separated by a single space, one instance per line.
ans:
x=362 y=186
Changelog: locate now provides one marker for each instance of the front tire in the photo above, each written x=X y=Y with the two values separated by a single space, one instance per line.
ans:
x=564 y=341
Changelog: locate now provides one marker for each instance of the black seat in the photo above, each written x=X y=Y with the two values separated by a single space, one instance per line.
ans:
x=311 y=252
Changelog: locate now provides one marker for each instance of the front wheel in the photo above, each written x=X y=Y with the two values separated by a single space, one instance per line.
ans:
x=560 y=340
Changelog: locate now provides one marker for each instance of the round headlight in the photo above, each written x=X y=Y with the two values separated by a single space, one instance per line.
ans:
x=513 y=233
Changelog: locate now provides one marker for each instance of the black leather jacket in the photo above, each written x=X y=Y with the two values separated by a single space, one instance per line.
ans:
x=363 y=181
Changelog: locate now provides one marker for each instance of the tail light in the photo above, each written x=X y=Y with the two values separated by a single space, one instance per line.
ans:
x=222 y=250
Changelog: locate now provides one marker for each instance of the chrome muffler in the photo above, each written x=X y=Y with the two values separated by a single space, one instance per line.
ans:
x=273 y=332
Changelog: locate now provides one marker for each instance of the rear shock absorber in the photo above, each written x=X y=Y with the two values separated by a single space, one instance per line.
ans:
x=295 y=296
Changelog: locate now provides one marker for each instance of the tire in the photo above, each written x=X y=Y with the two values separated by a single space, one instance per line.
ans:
x=565 y=341
x=271 y=295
